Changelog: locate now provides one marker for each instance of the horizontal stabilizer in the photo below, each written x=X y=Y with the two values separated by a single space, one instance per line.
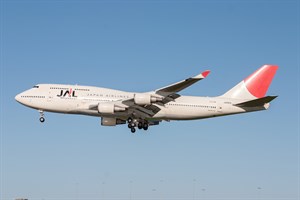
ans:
x=257 y=102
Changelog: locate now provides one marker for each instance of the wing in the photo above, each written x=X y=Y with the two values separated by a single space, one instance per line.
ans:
x=170 y=92
x=166 y=94
x=177 y=87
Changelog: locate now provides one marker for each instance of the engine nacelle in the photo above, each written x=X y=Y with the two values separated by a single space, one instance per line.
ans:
x=106 y=121
x=108 y=108
x=146 y=99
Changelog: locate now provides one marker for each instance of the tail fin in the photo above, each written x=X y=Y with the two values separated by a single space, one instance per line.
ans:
x=254 y=86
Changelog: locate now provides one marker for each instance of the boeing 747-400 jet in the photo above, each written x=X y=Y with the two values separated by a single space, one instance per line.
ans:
x=142 y=110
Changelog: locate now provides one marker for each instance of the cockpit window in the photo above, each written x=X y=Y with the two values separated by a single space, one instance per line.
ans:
x=36 y=86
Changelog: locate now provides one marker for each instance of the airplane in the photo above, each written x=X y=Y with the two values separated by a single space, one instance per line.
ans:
x=141 y=110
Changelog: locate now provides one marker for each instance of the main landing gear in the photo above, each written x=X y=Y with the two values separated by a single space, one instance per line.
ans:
x=42 y=119
x=139 y=123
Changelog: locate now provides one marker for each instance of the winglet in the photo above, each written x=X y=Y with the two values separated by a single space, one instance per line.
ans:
x=202 y=75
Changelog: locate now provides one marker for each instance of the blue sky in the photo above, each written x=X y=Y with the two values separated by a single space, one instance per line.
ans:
x=141 y=46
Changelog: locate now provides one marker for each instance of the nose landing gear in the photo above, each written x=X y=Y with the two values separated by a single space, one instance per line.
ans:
x=42 y=119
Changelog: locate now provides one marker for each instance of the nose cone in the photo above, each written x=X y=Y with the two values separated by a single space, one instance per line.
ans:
x=18 y=98
x=21 y=98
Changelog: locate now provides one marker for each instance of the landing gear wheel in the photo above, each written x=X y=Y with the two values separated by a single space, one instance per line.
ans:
x=145 y=126
x=42 y=119
x=140 y=125
x=129 y=125
x=129 y=120
x=132 y=130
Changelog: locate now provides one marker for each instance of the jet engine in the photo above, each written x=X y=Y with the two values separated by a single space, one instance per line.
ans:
x=106 y=121
x=107 y=108
x=146 y=99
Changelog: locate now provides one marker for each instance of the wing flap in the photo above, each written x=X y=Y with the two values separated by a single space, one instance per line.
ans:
x=170 y=98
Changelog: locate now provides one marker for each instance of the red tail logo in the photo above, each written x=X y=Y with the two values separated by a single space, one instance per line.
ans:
x=259 y=82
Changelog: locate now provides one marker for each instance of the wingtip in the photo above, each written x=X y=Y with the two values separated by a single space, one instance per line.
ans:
x=205 y=73
x=202 y=75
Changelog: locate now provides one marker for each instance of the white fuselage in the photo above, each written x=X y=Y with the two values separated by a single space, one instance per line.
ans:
x=74 y=99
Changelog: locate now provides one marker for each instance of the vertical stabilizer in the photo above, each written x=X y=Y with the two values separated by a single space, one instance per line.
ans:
x=254 y=86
